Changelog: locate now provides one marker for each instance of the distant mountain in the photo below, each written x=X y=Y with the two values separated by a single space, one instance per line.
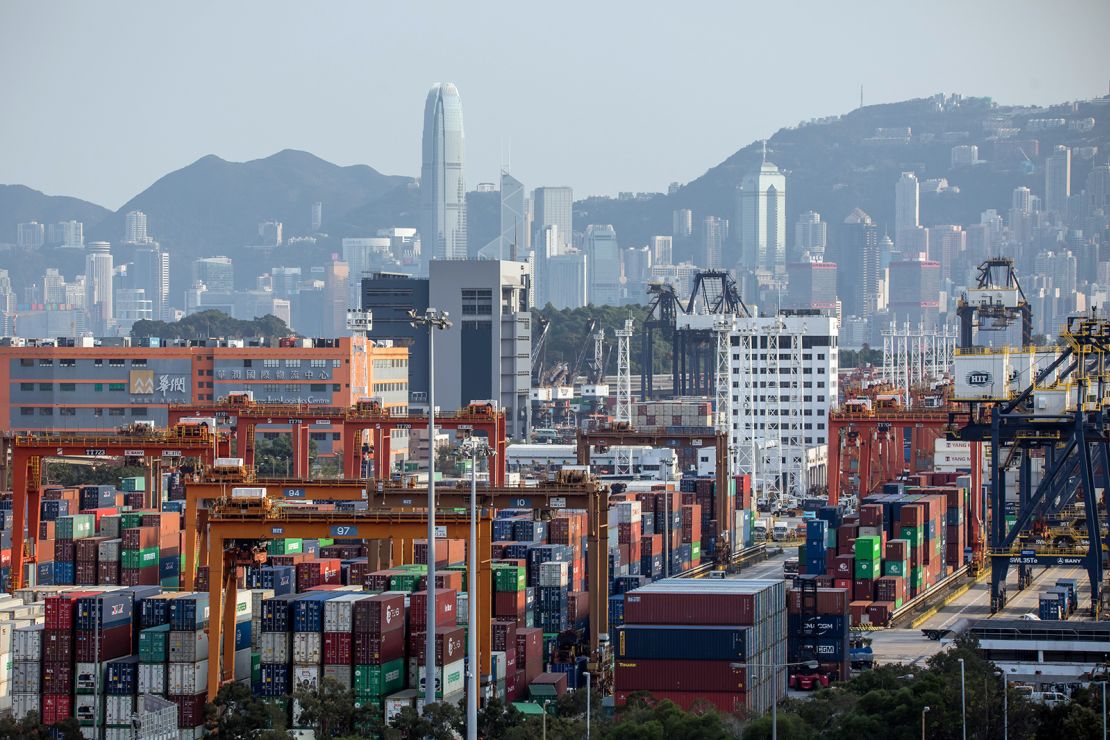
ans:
x=837 y=164
x=214 y=206
x=19 y=204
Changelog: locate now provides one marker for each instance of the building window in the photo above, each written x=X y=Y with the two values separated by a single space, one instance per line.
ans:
x=46 y=386
x=117 y=387
x=477 y=302
x=138 y=411
x=247 y=363
x=336 y=363
x=271 y=363
x=292 y=363
x=98 y=387
x=24 y=362
x=67 y=411
x=141 y=362
x=115 y=412
x=46 y=410
x=26 y=386
x=69 y=362
x=116 y=362
x=46 y=363
x=335 y=386
x=319 y=436
x=98 y=362
x=821 y=426
x=318 y=363
x=26 y=411
x=318 y=387
x=335 y=436
x=67 y=386
x=98 y=412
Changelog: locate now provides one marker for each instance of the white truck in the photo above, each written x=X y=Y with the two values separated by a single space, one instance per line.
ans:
x=780 y=532
x=761 y=529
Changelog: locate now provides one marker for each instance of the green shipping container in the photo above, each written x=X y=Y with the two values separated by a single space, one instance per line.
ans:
x=75 y=527
x=130 y=520
x=894 y=568
x=153 y=644
x=695 y=552
x=139 y=558
x=256 y=668
x=462 y=569
x=913 y=534
x=325 y=541
x=509 y=578
x=867 y=568
x=173 y=583
x=917 y=577
x=830 y=539
x=132 y=485
x=376 y=681
x=404 y=582
x=869 y=548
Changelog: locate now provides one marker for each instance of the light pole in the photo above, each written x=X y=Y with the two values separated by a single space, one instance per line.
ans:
x=924 y=711
x=963 y=698
x=589 y=701
x=1005 y=703
x=1103 y=709
x=545 y=703
x=810 y=664
x=433 y=319
x=473 y=449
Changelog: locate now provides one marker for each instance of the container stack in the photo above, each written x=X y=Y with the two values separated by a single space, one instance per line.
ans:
x=187 y=653
x=377 y=637
x=819 y=631
x=713 y=641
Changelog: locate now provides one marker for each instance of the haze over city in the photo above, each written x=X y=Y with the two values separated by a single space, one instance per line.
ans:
x=606 y=97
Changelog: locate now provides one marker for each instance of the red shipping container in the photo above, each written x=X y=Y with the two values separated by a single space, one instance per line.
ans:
x=57 y=645
x=857 y=610
x=842 y=567
x=679 y=675
x=450 y=645
x=114 y=642
x=57 y=678
x=56 y=707
x=46 y=531
x=726 y=703
x=504 y=635
x=912 y=515
x=444 y=604
x=375 y=649
x=190 y=710
x=379 y=613
x=318 y=573
x=889 y=588
x=140 y=538
x=578 y=605
x=514 y=686
x=146 y=577
x=86 y=574
x=863 y=589
x=844 y=583
x=107 y=573
x=830 y=601
x=65 y=551
x=880 y=612
x=337 y=648
x=60 y=610
x=897 y=550
x=529 y=650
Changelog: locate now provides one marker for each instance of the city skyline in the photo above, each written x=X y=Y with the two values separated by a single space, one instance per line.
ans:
x=45 y=148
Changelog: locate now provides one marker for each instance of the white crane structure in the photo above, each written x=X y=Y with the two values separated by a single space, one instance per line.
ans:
x=623 y=412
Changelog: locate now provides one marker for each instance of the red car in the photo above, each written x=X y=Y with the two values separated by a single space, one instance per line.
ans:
x=808 y=681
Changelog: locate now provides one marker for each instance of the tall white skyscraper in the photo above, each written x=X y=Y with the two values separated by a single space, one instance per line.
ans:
x=317 y=216
x=135 y=231
x=907 y=214
x=554 y=206
x=98 y=286
x=150 y=272
x=1057 y=180
x=662 y=250
x=512 y=241
x=603 y=265
x=761 y=211
x=442 y=181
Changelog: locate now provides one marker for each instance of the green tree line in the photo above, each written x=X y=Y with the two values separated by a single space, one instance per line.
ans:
x=213 y=323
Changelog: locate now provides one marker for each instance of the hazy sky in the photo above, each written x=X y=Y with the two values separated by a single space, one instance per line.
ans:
x=102 y=98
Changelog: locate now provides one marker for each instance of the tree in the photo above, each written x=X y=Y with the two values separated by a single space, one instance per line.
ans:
x=332 y=712
x=68 y=474
x=497 y=718
x=440 y=721
x=213 y=323
x=237 y=714
x=32 y=728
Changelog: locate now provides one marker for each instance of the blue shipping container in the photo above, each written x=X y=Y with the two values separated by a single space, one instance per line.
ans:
x=123 y=676
x=308 y=611
x=109 y=609
x=189 y=613
x=169 y=567
x=274 y=679
x=64 y=574
x=243 y=634
x=682 y=642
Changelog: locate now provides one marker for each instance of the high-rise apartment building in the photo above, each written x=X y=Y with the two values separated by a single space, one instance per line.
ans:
x=761 y=212
x=714 y=235
x=442 y=180
x=907 y=213
x=637 y=271
x=604 y=264
x=270 y=234
x=567 y=280
x=98 y=286
x=135 y=229
x=316 y=220
x=66 y=234
x=554 y=206
x=856 y=254
x=1057 y=180
x=217 y=274
x=1098 y=189
x=947 y=244
x=150 y=272
x=662 y=249
x=810 y=236
x=30 y=235
x=682 y=223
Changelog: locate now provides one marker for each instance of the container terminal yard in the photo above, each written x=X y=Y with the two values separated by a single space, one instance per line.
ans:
x=962 y=491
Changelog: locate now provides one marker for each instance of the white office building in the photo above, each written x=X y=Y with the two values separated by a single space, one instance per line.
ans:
x=604 y=265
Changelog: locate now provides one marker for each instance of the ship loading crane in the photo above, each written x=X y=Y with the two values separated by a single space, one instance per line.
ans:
x=1058 y=415
x=995 y=303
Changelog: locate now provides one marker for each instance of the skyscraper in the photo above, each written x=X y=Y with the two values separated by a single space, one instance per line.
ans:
x=30 y=235
x=907 y=214
x=809 y=235
x=98 y=286
x=66 y=234
x=135 y=231
x=554 y=206
x=682 y=223
x=761 y=211
x=216 y=273
x=856 y=253
x=714 y=234
x=442 y=181
x=513 y=239
x=317 y=216
x=1057 y=180
x=662 y=249
x=150 y=272
x=603 y=265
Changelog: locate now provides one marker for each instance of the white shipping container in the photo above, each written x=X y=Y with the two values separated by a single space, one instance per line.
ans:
x=394 y=703
x=499 y=665
x=305 y=677
x=341 y=674
x=252 y=493
x=450 y=679
x=26 y=677
x=24 y=704
x=118 y=710
x=183 y=679
x=84 y=678
x=108 y=551
x=554 y=574
x=152 y=678
x=244 y=601
x=27 y=643
x=339 y=612
x=191 y=733
x=84 y=708
x=89 y=733
x=243 y=664
x=228 y=462
x=629 y=512
x=188 y=647
x=462 y=608
x=274 y=647
x=308 y=648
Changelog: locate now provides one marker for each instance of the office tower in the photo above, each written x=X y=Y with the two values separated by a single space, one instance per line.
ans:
x=217 y=274
x=150 y=272
x=286 y=281
x=513 y=240
x=680 y=276
x=98 y=286
x=907 y=213
x=682 y=223
x=53 y=286
x=662 y=249
x=568 y=281
x=554 y=206
x=336 y=276
x=1098 y=189
x=134 y=230
x=964 y=155
x=317 y=216
x=809 y=236
x=856 y=254
x=269 y=234
x=390 y=296
x=714 y=234
x=947 y=243
x=30 y=235
x=1022 y=206
x=1057 y=180
x=915 y=291
x=761 y=211
x=603 y=264
x=131 y=305
x=442 y=181
x=637 y=270
x=66 y=234
x=7 y=296
x=812 y=285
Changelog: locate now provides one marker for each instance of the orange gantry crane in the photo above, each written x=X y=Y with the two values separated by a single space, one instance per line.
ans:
x=28 y=451
x=244 y=415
